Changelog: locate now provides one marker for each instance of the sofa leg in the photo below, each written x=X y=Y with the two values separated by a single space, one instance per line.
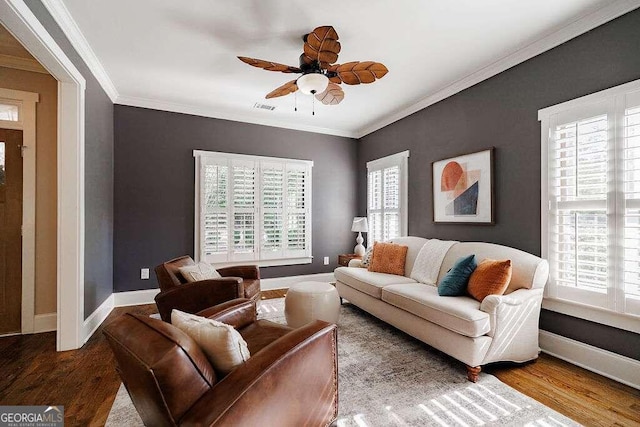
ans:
x=473 y=372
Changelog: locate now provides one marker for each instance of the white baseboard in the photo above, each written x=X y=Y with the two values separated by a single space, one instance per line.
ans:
x=45 y=322
x=145 y=296
x=285 y=282
x=96 y=318
x=611 y=365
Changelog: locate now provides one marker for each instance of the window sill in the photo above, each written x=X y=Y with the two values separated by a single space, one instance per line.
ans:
x=627 y=322
x=266 y=263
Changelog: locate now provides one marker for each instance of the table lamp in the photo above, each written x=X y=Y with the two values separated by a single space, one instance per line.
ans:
x=359 y=225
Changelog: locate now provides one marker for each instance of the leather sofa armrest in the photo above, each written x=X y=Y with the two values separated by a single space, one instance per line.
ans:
x=237 y=313
x=302 y=363
x=244 y=271
x=196 y=296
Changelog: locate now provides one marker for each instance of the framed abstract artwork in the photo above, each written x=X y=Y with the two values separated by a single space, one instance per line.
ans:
x=463 y=189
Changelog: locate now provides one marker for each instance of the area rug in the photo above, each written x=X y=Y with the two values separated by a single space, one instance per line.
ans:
x=387 y=378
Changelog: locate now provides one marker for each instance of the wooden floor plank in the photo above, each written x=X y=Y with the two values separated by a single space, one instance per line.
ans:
x=85 y=380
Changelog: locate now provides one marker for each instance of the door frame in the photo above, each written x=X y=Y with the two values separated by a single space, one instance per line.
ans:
x=25 y=27
x=27 y=124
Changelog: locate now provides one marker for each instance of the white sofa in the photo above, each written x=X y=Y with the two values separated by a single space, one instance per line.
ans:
x=501 y=328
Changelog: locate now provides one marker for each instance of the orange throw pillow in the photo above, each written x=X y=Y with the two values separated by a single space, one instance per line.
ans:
x=388 y=258
x=491 y=277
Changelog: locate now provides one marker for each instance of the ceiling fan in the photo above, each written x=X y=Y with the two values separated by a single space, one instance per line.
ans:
x=321 y=76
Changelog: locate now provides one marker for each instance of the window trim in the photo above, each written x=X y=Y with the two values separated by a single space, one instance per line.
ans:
x=307 y=259
x=606 y=316
x=398 y=159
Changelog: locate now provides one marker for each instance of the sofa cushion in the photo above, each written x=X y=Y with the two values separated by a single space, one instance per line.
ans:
x=454 y=283
x=458 y=314
x=367 y=281
x=489 y=278
x=388 y=258
x=414 y=244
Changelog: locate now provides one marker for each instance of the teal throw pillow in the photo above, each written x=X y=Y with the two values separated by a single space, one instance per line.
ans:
x=454 y=283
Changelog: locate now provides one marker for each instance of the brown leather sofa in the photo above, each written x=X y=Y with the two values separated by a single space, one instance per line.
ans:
x=175 y=292
x=290 y=379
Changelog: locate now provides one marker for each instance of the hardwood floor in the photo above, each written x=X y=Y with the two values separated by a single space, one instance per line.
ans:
x=85 y=380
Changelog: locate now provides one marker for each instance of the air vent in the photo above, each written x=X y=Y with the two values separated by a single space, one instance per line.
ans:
x=264 y=106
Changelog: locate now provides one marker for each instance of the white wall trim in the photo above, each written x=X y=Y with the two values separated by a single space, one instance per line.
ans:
x=27 y=123
x=45 y=323
x=286 y=282
x=96 y=318
x=25 y=27
x=215 y=113
x=145 y=296
x=580 y=26
x=611 y=365
x=65 y=21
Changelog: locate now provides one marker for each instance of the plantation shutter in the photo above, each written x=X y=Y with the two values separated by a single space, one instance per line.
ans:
x=243 y=235
x=386 y=197
x=272 y=210
x=252 y=209
x=298 y=212
x=215 y=215
x=631 y=188
x=578 y=210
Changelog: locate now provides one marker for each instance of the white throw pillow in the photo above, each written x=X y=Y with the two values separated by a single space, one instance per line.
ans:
x=366 y=259
x=199 y=271
x=222 y=344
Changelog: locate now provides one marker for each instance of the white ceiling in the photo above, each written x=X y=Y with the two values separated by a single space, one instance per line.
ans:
x=181 y=55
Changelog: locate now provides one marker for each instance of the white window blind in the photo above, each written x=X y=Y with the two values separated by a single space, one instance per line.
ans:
x=252 y=209
x=591 y=212
x=387 y=197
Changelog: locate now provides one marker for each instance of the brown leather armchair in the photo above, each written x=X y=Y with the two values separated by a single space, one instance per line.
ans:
x=290 y=379
x=191 y=297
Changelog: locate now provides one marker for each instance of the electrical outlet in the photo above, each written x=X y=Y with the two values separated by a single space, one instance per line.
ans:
x=326 y=260
x=144 y=273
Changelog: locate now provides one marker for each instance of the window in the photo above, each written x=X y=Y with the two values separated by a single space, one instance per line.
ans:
x=591 y=200
x=252 y=209
x=9 y=112
x=387 y=197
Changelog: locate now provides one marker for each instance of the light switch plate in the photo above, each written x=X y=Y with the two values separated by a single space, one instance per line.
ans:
x=326 y=260
x=144 y=273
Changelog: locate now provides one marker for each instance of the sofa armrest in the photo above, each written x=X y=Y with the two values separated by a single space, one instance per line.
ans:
x=244 y=271
x=237 y=313
x=197 y=296
x=302 y=363
x=514 y=325
x=355 y=263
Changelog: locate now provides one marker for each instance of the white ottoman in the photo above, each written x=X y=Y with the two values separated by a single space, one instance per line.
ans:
x=308 y=301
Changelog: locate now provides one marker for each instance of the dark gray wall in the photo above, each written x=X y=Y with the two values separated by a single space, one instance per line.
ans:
x=98 y=262
x=502 y=112
x=154 y=187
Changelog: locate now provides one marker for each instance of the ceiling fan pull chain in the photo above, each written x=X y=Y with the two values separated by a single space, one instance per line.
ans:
x=295 y=101
x=313 y=106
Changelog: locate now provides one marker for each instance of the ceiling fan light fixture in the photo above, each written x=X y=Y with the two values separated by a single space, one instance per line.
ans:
x=312 y=83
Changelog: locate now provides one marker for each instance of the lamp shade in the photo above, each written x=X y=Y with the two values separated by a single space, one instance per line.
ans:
x=360 y=224
x=312 y=83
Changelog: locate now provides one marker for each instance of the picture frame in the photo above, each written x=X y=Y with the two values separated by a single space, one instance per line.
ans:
x=462 y=189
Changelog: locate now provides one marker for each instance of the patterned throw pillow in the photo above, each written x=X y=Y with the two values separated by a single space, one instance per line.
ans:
x=491 y=277
x=454 y=283
x=221 y=343
x=198 y=272
x=366 y=259
x=388 y=258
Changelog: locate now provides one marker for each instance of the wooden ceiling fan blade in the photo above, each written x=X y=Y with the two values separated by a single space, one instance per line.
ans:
x=283 y=90
x=322 y=45
x=355 y=73
x=269 y=66
x=332 y=95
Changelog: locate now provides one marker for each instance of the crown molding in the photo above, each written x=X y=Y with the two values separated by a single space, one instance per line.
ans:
x=568 y=32
x=24 y=64
x=219 y=114
x=65 y=21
